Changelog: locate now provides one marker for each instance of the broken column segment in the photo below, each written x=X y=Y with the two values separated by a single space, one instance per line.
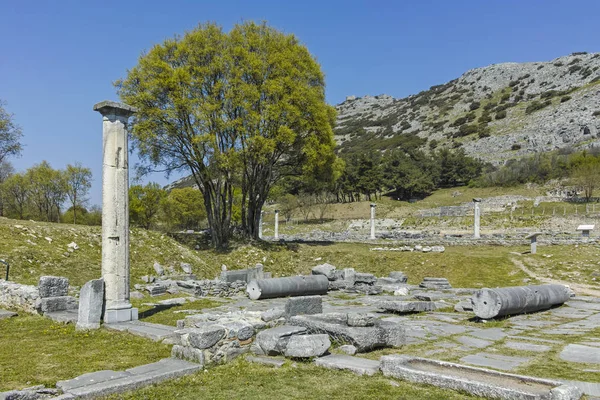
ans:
x=477 y=218
x=91 y=300
x=533 y=238
x=290 y=286
x=115 y=211
x=491 y=303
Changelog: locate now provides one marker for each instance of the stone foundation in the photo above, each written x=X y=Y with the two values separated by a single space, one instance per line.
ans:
x=16 y=296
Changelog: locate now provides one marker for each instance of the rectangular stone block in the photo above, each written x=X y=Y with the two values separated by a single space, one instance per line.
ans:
x=91 y=300
x=303 y=305
x=53 y=286
x=122 y=315
x=61 y=303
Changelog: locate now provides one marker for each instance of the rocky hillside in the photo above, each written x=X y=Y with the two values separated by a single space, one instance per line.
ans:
x=496 y=113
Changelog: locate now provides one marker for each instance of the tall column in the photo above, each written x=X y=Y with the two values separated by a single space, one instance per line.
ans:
x=260 y=225
x=115 y=211
x=477 y=221
x=276 y=224
x=373 y=221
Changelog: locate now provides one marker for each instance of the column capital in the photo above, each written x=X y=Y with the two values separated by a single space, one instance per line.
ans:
x=108 y=107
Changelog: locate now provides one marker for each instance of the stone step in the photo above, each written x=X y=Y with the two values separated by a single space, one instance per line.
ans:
x=358 y=365
x=7 y=314
x=102 y=383
x=156 y=332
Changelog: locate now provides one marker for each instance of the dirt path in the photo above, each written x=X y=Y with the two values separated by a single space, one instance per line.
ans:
x=579 y=288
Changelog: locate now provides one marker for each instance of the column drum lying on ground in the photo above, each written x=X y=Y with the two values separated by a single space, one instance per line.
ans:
x=290 y=286
x=491 y=303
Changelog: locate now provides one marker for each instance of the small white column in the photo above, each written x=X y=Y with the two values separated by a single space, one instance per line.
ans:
x=115 y=212
x=477 y=213
x=373 y=220
x=260 y=225
x=276 y=224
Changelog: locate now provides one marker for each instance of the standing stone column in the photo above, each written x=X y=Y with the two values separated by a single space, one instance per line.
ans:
x=276 y=224
x=533 y=238
x=373 y=220
x=477 y=221
x=115 y=211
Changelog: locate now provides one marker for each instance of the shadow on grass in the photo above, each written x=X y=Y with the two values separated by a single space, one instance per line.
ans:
x=156 y=309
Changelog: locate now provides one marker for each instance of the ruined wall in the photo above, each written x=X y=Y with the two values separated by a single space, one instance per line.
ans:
x=16 y=296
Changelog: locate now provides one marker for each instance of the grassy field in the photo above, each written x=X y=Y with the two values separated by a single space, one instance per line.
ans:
x=242 y=380
x=37 y=351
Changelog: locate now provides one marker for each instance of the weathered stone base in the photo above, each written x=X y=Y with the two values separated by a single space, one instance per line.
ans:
x=122 y=315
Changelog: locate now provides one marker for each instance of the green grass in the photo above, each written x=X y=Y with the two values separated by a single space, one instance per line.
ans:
x=36 y=351
x=242 y=380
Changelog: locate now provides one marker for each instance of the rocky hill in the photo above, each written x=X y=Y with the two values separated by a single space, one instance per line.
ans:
x=496 y=113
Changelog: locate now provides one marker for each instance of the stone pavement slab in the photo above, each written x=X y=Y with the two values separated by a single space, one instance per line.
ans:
x=588 y=388
x=66 y=316
x=474 y=342
x=527 y=346
x=156 y=332
x=581 y=353
x=489 y=334
x=108 y=382
x=358 y=365
x=264 y=360
x=497 y=361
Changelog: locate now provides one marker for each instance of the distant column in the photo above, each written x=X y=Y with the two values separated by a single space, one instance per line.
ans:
x=373 y=220
x=276 y=224
x=533 y=238
x=115 y=211
x=260 y=225
x=477 y=221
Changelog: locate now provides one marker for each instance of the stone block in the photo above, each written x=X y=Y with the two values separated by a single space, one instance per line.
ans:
x=361 y=319
x=304 y=346
x=61 y=303
x=7 y=314
x=274 y=340
x=303 y=305
x=203 y=337
x=325 y=269
x=156 y=289
x=538 y=348
x=406 y=306
x=272 y=314
x=188 y=353
x=238 y=329
x=234 y=276
x=399 y=276
x=348 y=349
x=268 y=361
x=53 y=286
x=159 y=269
x=186 y=268
x=369 y=279
x=91 y=301
x=349 y=275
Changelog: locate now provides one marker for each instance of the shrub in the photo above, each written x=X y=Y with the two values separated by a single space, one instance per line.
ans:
x=501 y=114
x=505 y=97
x=513 y=83
x=565 y=98
x=537 y=105
x=596 y=113
x=433 y=144
x=459 y=121
x=558 y=64
x=549 y=94
x=574 y=68
x=474 y=105
x=515 y=147
x=466 y=130
x=489 y=106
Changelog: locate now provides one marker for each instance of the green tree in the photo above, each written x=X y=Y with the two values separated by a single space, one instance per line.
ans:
x=239 y=109
x=184 y=208
x=6 y=171
x=144 y=204
x=587 y=178
x=287 y=204
x=10 y=135
x=15 y=190
x=78 y=183
x=47 y=190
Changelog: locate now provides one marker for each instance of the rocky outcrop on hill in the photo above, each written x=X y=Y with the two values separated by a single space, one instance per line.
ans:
x=496 y=113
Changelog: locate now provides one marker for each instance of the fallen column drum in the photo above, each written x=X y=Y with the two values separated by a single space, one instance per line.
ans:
x=290 y=286
x=491 y=303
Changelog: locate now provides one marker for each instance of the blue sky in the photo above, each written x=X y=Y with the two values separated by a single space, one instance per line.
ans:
x=59 y=58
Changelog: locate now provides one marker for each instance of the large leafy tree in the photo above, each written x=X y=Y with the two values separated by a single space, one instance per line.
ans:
x=78 y=181
x=10 y=135
x=144 y=204
x=242 y=109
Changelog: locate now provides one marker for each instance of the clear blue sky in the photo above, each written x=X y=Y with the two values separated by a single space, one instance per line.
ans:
x=59 y=58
